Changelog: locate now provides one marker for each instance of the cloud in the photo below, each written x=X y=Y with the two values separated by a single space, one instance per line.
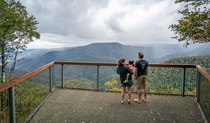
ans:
x=79 y=22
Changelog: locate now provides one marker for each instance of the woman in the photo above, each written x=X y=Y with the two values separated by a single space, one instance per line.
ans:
x=123 y=70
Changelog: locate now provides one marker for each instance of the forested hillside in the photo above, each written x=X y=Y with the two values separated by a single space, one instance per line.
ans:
x=169 y=80
x=160 y=80
x=202 y=60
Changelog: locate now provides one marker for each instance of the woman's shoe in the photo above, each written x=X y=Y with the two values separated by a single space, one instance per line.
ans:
x=129 y=102
x=123 y=101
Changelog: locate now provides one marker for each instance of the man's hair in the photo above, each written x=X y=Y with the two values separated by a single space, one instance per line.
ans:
x=141 y=55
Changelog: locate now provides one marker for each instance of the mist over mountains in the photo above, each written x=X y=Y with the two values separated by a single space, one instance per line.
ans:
x=108 y=52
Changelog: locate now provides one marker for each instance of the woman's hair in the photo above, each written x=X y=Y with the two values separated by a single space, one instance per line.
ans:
x=121 y=62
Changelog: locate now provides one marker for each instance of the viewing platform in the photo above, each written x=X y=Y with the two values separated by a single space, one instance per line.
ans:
x=89 y=92
x=82 y=106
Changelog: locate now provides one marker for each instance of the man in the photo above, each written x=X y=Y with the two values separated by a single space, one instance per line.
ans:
x=141 y=70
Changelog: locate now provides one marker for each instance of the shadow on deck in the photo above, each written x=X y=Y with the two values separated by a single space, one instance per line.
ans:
x=79 y=106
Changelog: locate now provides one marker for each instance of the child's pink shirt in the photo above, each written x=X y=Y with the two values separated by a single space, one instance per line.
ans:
x=131 y=67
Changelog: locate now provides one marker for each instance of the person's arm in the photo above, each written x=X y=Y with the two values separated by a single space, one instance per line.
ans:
x=135 y=70
x=117 y=70
x=135 y=73
x=129 y=71
x=147 y=69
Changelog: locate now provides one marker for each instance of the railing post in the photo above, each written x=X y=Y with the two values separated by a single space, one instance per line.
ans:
x=198 y=84
x=183 y=82
x=12 y=104
x=50 y=73
x=2 y=100
x=97 y=77
x=62 y=77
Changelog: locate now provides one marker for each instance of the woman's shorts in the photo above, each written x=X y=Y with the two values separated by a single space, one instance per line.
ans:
x=128 y=84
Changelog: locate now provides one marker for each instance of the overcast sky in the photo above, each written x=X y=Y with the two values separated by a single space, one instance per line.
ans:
x=69 y=23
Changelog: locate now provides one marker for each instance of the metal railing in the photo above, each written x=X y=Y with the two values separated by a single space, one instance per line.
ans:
x=23 y=95
x=203 y=91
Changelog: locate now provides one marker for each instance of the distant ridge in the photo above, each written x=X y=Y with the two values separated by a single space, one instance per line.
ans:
x=108 y=52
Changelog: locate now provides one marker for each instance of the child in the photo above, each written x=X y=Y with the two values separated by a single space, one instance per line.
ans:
x=131 y=66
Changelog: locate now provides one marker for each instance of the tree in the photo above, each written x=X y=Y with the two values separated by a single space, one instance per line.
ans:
x=17 y=29
x=194 y=26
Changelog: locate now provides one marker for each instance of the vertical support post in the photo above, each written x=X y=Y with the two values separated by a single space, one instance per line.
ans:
x=12 y=104
x=183 y=82
x=2 y=100
x=50 y=73
x=97 y=77
x=62 y=77
x=198 y=84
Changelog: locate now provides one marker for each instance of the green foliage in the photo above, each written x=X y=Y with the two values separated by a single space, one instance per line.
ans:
x=193 y=92
x=167 y=80
x=80 y=83
x=203 y=61
x=205 y=98
x=16 y=25
x=194 y=27
x=17 y=29
x=115 y=89
x=112 y=85
x=28 y=95
x=112 y=77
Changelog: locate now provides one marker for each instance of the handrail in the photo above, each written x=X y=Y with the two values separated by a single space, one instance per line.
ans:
x=203 y=72
x=173 y=65
x=88 y=63
x=115 y=64
x=7 y=85
x=14 y=82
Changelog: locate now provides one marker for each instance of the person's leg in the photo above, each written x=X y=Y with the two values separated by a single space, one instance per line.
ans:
x=123 y=94
x=145 y=95
x=139 y=86
x=145 y=89
x=129 y=94
x=139 y=97
x=139 y=94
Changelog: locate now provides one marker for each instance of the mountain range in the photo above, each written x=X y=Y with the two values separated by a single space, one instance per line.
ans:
x=108 y=52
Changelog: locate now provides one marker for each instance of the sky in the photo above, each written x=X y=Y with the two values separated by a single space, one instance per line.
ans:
x=70 y=23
